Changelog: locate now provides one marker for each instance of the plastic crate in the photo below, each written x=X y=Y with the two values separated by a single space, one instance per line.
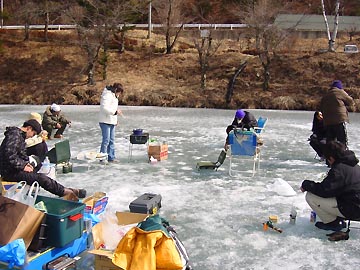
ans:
x=64 y=220
x=147 y=203
x=39 y=241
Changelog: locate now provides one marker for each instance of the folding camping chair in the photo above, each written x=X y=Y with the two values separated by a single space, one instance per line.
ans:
x=261 y=125
x=212 y=165
x=243 y=146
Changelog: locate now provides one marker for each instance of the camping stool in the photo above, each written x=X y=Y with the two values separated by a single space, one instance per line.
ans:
x=142 y=138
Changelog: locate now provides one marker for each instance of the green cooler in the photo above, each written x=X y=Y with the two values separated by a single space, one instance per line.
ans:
x=64 y=220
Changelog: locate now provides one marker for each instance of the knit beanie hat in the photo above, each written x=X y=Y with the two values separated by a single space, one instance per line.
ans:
x=337 y=84
x=55 y=108
x=240 y=114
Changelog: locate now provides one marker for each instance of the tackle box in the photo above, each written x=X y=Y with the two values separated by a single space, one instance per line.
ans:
x=148 y=203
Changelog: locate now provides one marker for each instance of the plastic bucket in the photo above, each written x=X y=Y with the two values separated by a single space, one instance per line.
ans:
x=137 y=131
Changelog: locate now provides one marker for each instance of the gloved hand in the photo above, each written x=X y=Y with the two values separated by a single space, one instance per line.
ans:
x=306 y=185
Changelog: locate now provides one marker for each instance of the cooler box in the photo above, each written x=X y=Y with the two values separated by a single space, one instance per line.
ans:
x=147 y=203
x=60 y=153
x=159 y=152
x=64 y=220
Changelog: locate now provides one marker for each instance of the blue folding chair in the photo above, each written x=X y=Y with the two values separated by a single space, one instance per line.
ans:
x=243 y=146
x=261 y=125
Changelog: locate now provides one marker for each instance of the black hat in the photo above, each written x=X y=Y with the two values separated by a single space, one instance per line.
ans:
x=34 y=124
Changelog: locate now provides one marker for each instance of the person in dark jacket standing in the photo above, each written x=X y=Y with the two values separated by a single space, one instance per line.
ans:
x=337 y=197
x=15 y=165
x=244 y=120
x=333 y=107
x=318 y=136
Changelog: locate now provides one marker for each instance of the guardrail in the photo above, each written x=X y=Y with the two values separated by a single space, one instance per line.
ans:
x=139 y=26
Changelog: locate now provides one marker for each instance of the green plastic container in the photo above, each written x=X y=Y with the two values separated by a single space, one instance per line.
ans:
x=64 y=220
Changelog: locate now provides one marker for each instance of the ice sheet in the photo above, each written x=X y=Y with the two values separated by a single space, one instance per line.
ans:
x=218 y=217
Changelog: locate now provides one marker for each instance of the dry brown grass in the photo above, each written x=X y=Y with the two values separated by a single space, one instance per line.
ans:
x=40 y=73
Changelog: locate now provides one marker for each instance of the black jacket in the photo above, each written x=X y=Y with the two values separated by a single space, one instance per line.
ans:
x=13 y=157
x=318 y=128
x=342 y=182
x=249 y=121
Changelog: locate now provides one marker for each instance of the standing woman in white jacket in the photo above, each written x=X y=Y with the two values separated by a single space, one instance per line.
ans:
x=108 y=118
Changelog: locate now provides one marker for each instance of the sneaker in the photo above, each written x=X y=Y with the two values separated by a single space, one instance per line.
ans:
x=58 y=136
x=113 y=161
x=335 y=226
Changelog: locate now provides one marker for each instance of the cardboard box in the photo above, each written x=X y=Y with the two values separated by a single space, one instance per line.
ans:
x=4 y=185
x=96 y=203
x=103 y=257
x=103 y=261
x=159 y=152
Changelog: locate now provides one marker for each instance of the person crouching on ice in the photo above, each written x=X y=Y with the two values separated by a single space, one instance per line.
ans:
x=337 y=196
x=54 y=119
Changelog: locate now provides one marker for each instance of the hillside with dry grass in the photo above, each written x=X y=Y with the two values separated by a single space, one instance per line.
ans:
x=36 y=72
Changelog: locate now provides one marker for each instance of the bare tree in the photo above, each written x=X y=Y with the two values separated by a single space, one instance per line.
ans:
x=169 y=14
x=26 y=13
x=231 y=84
x=206 y=48
x=260 y=16
x=95 y=21
x=331 y=36
x=45 y=9
x=352 y=31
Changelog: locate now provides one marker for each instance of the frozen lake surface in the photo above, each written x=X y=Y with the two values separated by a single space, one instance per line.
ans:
x=218 y=217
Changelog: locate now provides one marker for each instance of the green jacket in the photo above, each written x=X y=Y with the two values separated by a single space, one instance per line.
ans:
x=50 y=120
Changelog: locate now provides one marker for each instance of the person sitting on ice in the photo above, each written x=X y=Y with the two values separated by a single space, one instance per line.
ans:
x=243 y=120
x=317 y=139
x=337 y=196
x=53 y=118
x=37 y=145
x=15 y=164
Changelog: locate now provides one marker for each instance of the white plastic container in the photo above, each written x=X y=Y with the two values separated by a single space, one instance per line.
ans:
x=293 y=214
